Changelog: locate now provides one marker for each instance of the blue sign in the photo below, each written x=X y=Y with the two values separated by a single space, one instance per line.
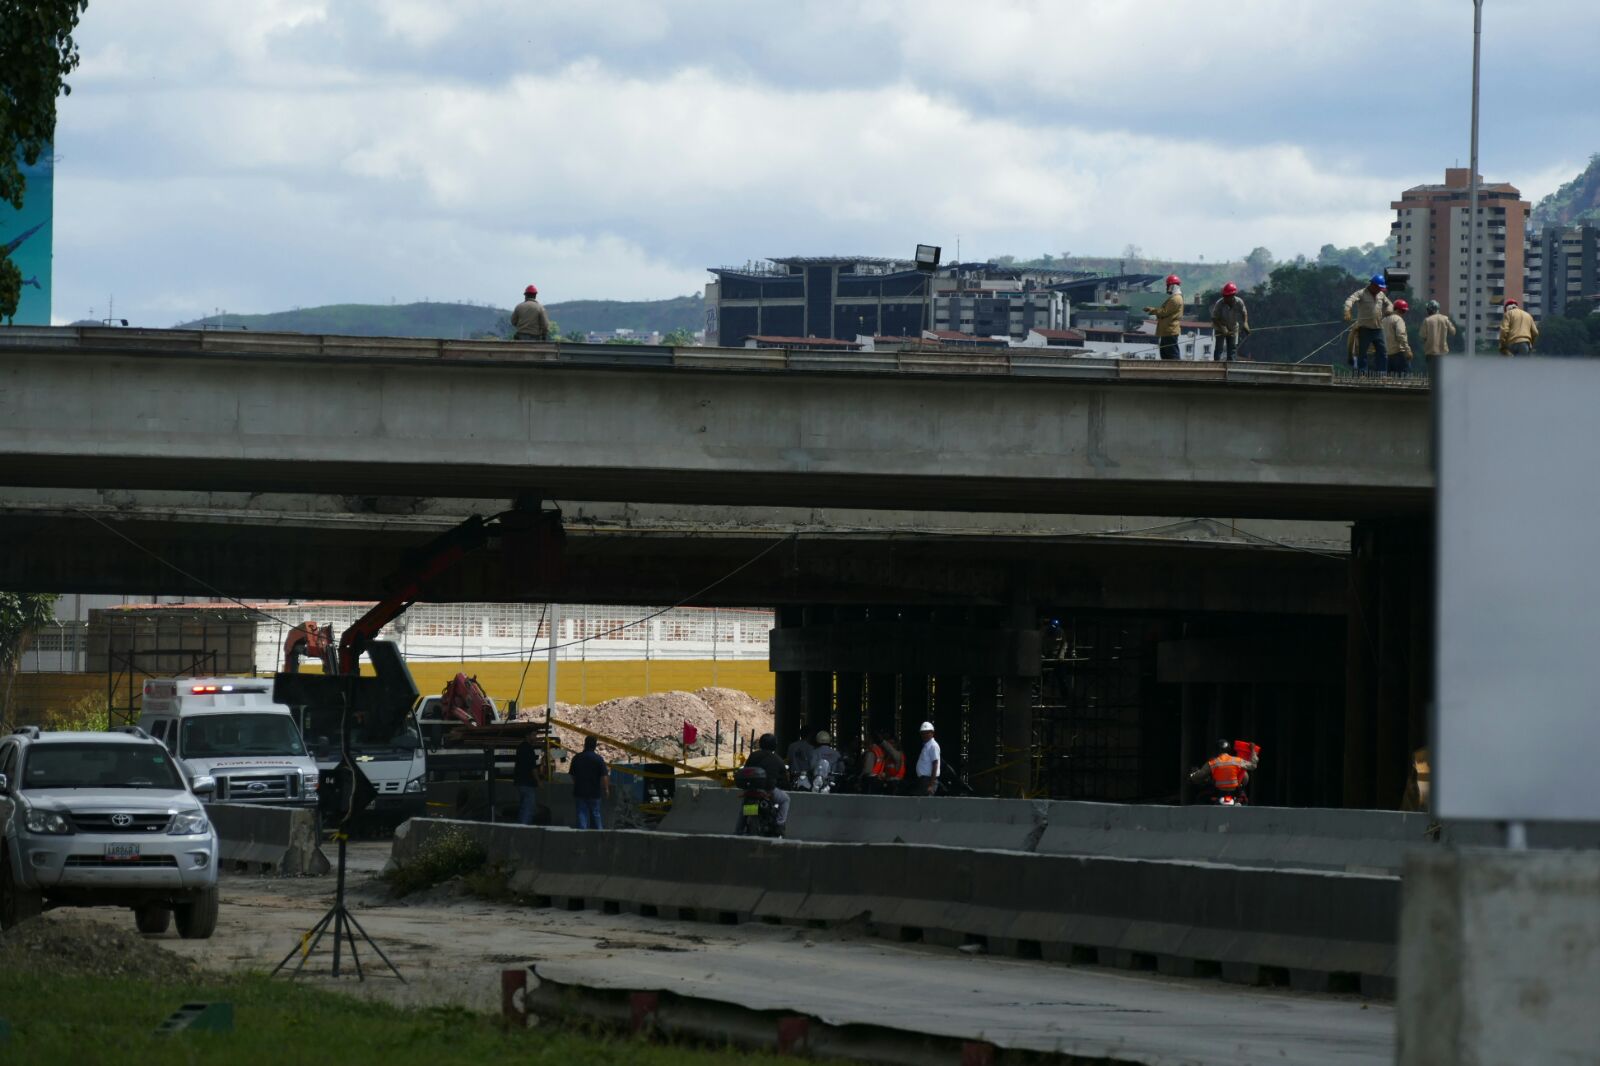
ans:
x=28 y=241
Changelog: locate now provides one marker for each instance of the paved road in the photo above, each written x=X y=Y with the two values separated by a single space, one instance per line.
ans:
x=452 y=949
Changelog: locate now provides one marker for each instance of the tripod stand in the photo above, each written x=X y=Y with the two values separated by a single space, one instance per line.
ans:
x=355 y=793
x=345 y=928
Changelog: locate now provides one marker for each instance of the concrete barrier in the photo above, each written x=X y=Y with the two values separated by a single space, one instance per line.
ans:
x=1004 y=824
x=279 y=840
x=1500 y=958
x=1314 y=930
x=1290 y=838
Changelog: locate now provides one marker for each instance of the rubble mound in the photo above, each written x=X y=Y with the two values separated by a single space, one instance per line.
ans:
x=64 y=943
x=655 y=721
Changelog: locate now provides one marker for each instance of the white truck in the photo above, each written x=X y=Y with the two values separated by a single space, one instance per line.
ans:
x=394 y=762
x=229 y=729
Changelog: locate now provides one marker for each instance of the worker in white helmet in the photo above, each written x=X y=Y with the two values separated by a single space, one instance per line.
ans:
x=928 y=762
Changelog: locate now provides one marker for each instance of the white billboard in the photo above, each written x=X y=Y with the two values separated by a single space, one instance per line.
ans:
x=1517 y=717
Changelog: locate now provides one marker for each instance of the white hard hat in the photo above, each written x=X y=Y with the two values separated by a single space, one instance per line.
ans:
x=926 y=727
x=824 y=737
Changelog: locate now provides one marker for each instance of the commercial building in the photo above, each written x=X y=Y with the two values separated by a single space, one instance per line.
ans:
x=844 y=297
x=1432 y=241
x=1562 y=265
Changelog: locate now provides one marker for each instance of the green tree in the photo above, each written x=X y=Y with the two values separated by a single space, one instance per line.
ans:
x=21 y=616
x=1564 y=336
x=678 y=338
x=36 y=53
x=573 y=336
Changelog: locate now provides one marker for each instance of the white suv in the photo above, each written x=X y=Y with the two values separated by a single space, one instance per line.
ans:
x=104 y=819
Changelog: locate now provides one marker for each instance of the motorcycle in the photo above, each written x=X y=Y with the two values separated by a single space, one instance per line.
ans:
x=1228 y=799
x=758 y=811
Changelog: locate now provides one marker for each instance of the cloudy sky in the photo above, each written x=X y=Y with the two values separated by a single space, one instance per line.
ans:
x=278 y=153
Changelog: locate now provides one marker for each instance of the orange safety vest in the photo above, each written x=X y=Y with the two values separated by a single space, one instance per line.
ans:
x=897 y=773
x=1227 y=773
x=878 y=767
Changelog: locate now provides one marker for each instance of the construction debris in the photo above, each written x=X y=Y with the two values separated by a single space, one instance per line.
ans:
x=655 y=721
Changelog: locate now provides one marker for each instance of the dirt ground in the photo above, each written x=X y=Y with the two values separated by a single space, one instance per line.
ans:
x=655 y=721
x=452 y=947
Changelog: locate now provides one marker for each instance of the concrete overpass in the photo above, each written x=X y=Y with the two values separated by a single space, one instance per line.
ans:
x=1021 y=432
x=267 y=545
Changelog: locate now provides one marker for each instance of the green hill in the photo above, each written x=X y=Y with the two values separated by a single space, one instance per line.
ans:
x=1576 y=201
x=455 y=321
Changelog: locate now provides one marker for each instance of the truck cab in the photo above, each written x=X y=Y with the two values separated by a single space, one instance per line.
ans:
x=393 y=761
x=229 y=729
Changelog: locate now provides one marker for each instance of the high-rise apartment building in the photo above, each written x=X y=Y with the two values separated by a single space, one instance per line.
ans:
x=1563 y=264
x=1431 y=237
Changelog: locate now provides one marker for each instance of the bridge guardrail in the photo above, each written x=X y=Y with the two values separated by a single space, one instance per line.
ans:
x=1013 y=362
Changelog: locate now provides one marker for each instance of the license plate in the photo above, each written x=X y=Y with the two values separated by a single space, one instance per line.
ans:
x=121 y=852
x=752 y=808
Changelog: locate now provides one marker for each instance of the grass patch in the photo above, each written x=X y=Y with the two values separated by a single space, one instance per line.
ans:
x=490 y=881
x=87 y=1021
x=446 y=856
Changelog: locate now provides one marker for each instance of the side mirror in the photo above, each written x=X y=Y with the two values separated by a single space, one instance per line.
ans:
x=204 y=785
x=407 y=742
x=5 y=785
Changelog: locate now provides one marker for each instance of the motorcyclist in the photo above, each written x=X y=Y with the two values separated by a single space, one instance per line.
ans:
x=800 y=757
x=765 y=757
x=1226 y=773
x=825 y=761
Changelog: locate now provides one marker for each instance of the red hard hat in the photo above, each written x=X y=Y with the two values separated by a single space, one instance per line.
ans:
x=531 y=290
x=1173 y=279
x=1230 y=289
x=1513 y=302
x=1402 y=306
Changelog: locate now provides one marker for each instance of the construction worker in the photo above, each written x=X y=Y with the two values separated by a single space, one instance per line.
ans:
x=1230 y=321
x=766 y=758
x=929 y=763
x=1226 y=773
x=800 y=757
x=1518 y=331
x=528 y=319
x=825 y=760
x=1396 y=340
x=1168 y=317
x=883 y=767
x=1437 y=329
x=1371 y=304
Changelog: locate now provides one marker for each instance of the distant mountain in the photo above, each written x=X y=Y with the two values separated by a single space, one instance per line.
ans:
x=1576 y=201
x=454 y=321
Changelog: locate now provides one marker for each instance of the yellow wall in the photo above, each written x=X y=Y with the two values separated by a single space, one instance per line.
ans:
x=576 y=682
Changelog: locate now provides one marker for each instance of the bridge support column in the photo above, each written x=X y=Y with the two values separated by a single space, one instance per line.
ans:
x=983 y=735
x=1016 y=736
x=848 y=694
x=1389 y=658
x=787 y=695
x=949 y=700
x=881 y=704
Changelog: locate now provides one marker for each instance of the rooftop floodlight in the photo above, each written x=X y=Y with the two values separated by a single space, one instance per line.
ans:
x=927 y=258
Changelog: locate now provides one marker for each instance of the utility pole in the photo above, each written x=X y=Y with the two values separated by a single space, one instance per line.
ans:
x=1472 y=197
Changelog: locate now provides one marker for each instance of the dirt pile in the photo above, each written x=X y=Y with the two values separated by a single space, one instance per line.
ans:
x=656 y=721
x=64 y=943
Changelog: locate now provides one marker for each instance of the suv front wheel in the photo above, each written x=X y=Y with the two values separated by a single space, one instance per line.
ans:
x=17 y=904
x=197 y=918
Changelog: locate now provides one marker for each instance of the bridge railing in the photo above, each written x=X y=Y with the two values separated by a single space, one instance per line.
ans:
x=1016 y=362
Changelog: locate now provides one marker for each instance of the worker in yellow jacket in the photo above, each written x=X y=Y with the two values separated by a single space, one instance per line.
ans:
x=1396 y=340
x=1518 y=331
x=1168 y=317
x=1369 y=305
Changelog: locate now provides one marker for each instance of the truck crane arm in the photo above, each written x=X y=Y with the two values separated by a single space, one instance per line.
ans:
x=465 y=701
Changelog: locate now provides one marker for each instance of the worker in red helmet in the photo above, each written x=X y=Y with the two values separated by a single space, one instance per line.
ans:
x=1168 y=317
x=1230 y=321
x=1396 y=342
x=1518 y=330
x=528 y=319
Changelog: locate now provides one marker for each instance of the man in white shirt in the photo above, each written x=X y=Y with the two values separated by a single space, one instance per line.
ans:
x=928 y=763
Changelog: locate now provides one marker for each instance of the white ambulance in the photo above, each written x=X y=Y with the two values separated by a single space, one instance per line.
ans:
x=229 y=728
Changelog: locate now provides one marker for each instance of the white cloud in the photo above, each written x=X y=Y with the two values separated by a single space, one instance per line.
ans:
x=295 y=152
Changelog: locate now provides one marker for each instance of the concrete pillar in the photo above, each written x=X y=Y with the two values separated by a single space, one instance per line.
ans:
x=1016 y=736
x=848 y=694
x=983 y=735
x=881 y=704
x=949 y=700
x=916 y=706
x=817 y=701
x=787 y=696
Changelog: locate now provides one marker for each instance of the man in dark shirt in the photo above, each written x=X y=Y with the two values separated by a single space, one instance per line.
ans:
x=591 y=781
x=766 y=758
x=525 y=775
